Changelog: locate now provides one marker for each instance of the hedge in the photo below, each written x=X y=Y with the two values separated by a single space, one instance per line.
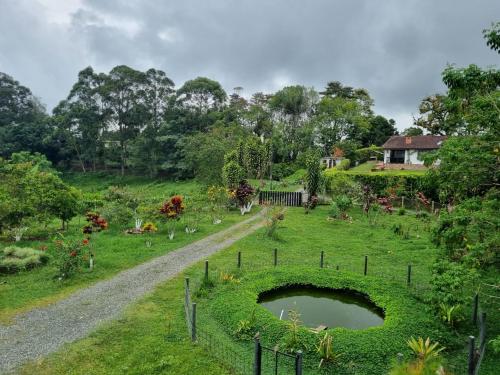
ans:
x=368 y=351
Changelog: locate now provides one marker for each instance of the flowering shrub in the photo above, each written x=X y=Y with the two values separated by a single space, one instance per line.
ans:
x=69 y=256
x=149 y=227
x=172 y=211
x=423 y=199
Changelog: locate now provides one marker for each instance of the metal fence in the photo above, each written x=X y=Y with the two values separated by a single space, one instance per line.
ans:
x=281 y=198
x=267 y=361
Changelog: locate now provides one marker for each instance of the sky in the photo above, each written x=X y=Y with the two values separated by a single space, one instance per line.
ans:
x=395 y=49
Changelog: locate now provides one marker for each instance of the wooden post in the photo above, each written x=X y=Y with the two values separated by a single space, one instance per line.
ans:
x=206 y=270
x=402 y=202
x=193 y=322
x=275 y=257
x=321 y=259
x=239 y=259
x=475 y=308
x=337 y=267
x=257 y=364
x=408 y=278
x=432 y=207
x=471 y=362
x=298 y=363
x=366 y=264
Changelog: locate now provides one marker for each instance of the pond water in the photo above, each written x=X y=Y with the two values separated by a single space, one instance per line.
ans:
x=327 y=307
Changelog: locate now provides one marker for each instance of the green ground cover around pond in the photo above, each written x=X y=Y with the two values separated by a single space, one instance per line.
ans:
x=152 y=336
x=114 y=250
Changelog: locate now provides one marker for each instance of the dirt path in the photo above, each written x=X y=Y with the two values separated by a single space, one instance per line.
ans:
x=43 y=330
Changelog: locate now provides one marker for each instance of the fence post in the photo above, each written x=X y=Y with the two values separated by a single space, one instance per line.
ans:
x=322 y=259
x=298 y=363
x=275 y=257
x=366 y=264
x=337 y=267
x=239 y=259
x=475 y=308
x=471 y=362
x=193 y=323
x=206 y=270
x=257 y=364
x=403 y=202
x=408 y=277
x=187 y=283
x=432 y=207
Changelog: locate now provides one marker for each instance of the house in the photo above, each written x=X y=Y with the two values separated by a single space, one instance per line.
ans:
x=410 y=150
x=335 y=159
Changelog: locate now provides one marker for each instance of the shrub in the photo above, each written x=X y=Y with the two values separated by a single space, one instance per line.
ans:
x=117 y=213
x=274 y=216
x=449 y=283
x=343 y=184
x=401 y=211
x=15 y=259
x=325 y=350
x=298 y=177
x=343 y=165
x=69 y=256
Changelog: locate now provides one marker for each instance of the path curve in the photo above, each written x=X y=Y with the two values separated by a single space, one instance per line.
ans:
x=41 y=331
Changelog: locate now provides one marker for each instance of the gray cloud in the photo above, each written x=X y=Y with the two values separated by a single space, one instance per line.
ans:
x=395 y=49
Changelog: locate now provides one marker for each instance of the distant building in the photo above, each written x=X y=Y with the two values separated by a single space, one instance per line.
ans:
x=335 y=159
x=410 y=150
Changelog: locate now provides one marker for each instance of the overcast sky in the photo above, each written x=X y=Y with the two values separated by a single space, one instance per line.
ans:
x=396 y=49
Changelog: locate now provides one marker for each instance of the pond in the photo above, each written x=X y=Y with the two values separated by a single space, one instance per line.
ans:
x=323 y=307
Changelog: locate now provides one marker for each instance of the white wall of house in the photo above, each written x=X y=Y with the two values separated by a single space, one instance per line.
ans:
x=411 y=157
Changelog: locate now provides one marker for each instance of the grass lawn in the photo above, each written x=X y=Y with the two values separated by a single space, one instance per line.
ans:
x=152 y=336
x=365 y=168
x=115 y=251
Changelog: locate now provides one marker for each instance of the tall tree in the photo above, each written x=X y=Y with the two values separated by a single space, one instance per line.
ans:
x=123 y=93
x=379 y=131
x=157 y=98
x=24 y=125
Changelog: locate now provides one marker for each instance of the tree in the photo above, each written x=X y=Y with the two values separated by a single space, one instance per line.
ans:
x=435 y=115
x=335 y=89
x=24 y=125
x=412 y=132
x=492 y=36
x=123 y=92
x=313 y=176
x=379 y=131
x=338 y=119
x=292 y=107
x=257 y=158
x=202 y=94
x=157 y=97
x=232 y=172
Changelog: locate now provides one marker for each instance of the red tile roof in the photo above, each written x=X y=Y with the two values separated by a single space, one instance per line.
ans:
x=420 y=142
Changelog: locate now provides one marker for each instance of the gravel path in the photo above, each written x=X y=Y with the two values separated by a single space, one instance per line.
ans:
x=43 y=330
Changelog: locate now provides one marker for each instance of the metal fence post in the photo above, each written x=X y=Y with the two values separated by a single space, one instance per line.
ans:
x=471 y=362
x=257 y=364
x=322 y=259
x=206 y=270
x=275 y=257
x=239 y=259
x=366 y=264
x=475 y=308
x=298 y=363
x=408 y=277
x=193 y=323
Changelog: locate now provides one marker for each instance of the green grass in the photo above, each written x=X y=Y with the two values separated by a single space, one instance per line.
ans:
x=152 y=335
x=115 y=251
x=366 y=168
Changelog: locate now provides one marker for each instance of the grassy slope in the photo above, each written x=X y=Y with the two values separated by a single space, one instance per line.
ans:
x=114 y=250
x=152 y=336
x=157 y=322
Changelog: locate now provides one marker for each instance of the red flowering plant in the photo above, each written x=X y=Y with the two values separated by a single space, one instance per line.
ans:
x=424 y=201
x=96 y=224
x=386 y=204
x=69 y=256
x=172 y=210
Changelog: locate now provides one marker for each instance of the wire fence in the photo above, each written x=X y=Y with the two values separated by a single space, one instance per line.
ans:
x=272 y=361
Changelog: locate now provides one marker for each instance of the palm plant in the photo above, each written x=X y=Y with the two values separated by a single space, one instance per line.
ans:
x=325 y=350
x=424 y=350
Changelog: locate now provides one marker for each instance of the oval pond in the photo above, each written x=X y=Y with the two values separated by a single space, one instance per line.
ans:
x=323 y=307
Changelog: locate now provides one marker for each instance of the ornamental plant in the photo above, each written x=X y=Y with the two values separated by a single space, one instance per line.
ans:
x=244 y=195
x=96 y=223
x=69 y=256
x=172 y=211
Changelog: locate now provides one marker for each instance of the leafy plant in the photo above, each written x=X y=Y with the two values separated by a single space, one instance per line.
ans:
x=292 y=341
x=172 y=211
x=69 y=256
x=226 y=277
x=326 y=351
x=424 y=350
x=15 y=259
x=449 y=283
x=245 y=329
x=274 y=216
x=450 y=314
